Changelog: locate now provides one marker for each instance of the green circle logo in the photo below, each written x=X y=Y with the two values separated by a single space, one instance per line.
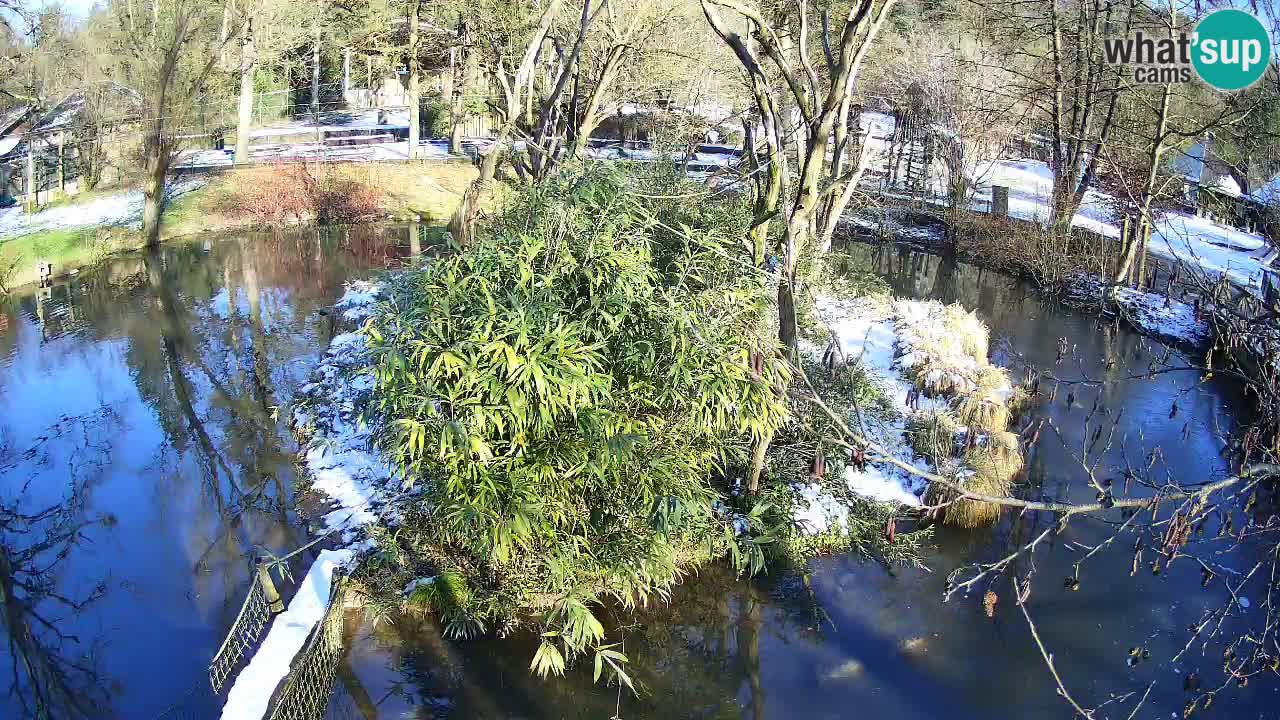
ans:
x=1232 y=49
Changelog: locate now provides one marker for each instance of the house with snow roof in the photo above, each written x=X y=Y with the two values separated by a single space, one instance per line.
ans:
x=14 y=122
x=60 y=138
x=1208 y=187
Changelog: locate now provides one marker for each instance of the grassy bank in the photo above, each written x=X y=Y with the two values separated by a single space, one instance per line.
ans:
x=404 y=191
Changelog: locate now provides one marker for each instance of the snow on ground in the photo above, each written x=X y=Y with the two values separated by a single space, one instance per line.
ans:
x=1177 y=236
x=869 y=332
x=343 y=466
x=251 y=693
x=122 y=209
x=890 y=225
x=888 y=338
x=340 y=457
x=297 y=142
x=1153 y=314
x=372 y=152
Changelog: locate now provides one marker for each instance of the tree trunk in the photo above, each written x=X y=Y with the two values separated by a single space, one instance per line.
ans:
x=415 y=106
x=248 y=71
x=315 y=70
x=156 y=161
x=462 y=224
x=758 y=455
x=457 y=101
x=787 y=323
x=1138 y=241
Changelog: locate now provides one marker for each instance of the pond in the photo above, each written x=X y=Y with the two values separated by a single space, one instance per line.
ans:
x=144 y=403
x=141 y=401
x=855 y=640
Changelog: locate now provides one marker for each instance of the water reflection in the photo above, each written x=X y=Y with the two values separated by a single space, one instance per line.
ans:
x=183 y=359
x=871 y=643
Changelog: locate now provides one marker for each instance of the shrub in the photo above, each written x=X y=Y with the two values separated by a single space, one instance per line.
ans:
x=565 y=390
x=299 y=192
x=433 y=121
x=1051 y=260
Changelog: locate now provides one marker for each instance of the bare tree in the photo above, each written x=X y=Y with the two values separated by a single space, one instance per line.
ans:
x=824 y=102
x=513 y=76
x=169 y=57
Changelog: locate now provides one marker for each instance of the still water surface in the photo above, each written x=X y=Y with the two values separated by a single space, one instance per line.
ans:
x=862 y=642
x=141 y=403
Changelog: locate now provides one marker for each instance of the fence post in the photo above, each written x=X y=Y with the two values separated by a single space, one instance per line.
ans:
x=269 y=588
x=1144 y=232
x=62 y=163
x=31 y=178
x=999 y=201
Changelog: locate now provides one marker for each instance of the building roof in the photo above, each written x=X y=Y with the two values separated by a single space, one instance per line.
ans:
x=1199 y=165
x=12 y=118
x=120 y=102
x=1190 y=162
x=1268 y=193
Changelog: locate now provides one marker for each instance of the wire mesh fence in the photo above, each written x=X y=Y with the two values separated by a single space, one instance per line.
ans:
x=243 y=636
x=305 y=693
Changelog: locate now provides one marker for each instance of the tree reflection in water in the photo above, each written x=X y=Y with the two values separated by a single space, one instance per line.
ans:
x=52 y=673
x=197 y=348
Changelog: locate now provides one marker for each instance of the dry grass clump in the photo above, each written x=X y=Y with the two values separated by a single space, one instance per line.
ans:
x=1019 y=402
x=932 y=434
x=967 y=331
x=982 y=414
x=995 y=467
x=936 y=383
x=946 y=356
x=945 y=347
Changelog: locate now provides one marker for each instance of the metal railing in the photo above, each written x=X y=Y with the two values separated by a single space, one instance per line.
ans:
x=243 y=636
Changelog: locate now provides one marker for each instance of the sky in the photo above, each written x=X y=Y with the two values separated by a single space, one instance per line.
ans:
x=79 y=8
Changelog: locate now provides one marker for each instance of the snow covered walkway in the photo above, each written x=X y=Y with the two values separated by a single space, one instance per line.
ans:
x=122 y=209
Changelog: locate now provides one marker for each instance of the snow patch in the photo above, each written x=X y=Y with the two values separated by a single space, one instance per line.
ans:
x=871 y=333
x=346 y=468
x=1153 y=314
x=120 y=210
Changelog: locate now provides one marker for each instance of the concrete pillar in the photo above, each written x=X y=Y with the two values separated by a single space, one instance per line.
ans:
x=31 y=177
x=346 y=73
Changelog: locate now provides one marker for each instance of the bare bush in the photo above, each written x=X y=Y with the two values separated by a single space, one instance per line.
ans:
x=302 y=192
x=1052 y=260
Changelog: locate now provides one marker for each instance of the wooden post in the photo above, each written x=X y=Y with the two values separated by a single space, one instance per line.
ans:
x=999 y=201
x=1125 y=239
x=31 y=178
x=62 y=163
x=269 y=588
x=1144 y=232
x=346 y=73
